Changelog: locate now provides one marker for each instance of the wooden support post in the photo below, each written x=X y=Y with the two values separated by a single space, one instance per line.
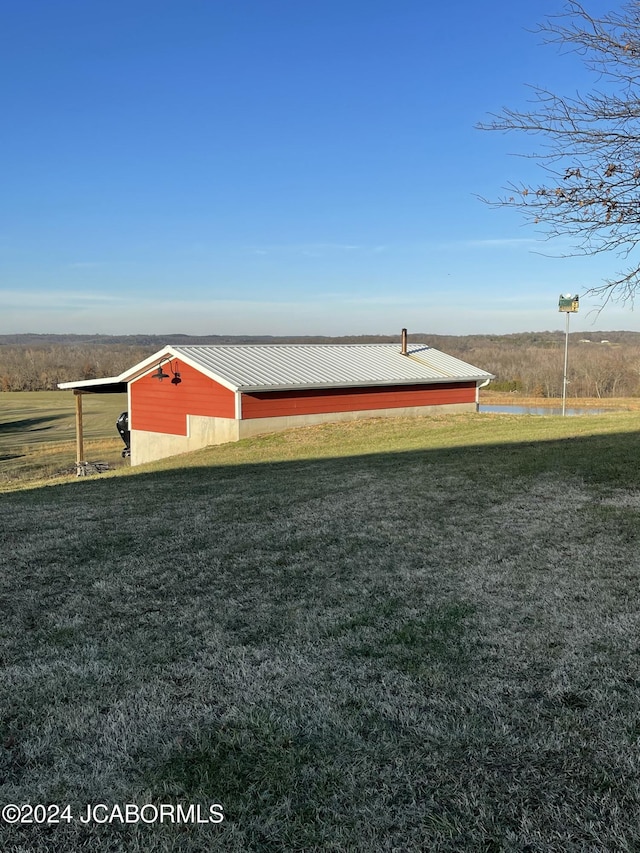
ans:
x=79 y=432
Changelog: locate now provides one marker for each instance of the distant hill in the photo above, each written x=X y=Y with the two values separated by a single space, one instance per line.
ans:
x=515 y=339
x=601 y=363
x=158 y=341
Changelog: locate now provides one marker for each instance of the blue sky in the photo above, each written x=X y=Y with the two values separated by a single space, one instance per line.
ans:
x=275 y=167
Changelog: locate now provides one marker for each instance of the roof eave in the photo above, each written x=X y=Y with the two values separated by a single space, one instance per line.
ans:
x=168 y=353
x=147 y=364
x=381 y=383
x=108 y=385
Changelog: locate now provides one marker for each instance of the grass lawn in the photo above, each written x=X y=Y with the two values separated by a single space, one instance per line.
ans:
x=379 y=636
x=37 y=433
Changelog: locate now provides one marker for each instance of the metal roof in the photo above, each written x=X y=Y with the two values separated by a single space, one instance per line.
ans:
x=272 y=367
x=264 y=367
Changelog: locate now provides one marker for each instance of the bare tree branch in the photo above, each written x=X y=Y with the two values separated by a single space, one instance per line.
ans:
x=590 y=156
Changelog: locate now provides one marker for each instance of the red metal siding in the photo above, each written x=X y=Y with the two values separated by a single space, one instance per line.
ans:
x=273 y=404
x=162 y=407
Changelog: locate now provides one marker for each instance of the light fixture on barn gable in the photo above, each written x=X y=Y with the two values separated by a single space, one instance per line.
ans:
x=160 y=374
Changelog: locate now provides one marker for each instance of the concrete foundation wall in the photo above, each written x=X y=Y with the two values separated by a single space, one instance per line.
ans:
x=204 y=432
x=201 y=432
x=260 y=426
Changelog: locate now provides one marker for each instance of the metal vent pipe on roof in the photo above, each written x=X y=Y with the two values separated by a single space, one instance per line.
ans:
x=404 y=342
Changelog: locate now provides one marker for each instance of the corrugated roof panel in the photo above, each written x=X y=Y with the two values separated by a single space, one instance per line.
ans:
x=253 y=367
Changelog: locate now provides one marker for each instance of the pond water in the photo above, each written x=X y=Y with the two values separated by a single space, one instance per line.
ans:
x=539 y=410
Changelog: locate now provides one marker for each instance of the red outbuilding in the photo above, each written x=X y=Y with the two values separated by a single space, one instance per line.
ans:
x=183 y=398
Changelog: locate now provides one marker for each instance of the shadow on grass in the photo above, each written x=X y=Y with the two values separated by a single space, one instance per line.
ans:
x=352 y=653
x=30 y=424
x=612 y=460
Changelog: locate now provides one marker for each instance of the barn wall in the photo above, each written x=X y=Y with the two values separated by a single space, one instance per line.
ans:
x=163 y=425
x=161 y=407
x=270 y=404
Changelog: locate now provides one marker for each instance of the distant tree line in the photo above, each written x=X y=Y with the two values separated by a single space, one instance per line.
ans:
x=528 y=363
x=595 y=369
x=42 y=367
